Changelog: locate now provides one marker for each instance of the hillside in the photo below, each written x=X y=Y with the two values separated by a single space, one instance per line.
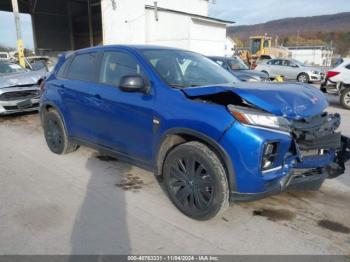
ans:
x=290 y=26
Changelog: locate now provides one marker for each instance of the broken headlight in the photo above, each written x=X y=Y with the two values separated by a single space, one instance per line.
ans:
x=258 y=118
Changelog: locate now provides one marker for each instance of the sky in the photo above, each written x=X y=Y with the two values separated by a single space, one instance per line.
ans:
x=8 y=30
x=243 y=12
x=246 y=12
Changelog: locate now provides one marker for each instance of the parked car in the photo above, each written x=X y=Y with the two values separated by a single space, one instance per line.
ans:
x=19 y=88
x=210 y=136
x=291 y=69
x=34 y=62
x=4 y=56
x=338 y=82
x=239 y=69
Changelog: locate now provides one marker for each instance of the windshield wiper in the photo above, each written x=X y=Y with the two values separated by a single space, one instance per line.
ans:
x=176 y=85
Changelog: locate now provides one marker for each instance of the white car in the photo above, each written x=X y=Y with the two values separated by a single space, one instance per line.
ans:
x=338 y=82
x=291 y=69
x=4 y=56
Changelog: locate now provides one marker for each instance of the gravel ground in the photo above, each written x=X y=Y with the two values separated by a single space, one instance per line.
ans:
x=87 y=203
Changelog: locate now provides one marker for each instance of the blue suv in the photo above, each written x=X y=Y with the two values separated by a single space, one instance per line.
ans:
x=210 y=137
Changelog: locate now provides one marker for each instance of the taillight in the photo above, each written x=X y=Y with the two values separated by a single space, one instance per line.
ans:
x=332 y=73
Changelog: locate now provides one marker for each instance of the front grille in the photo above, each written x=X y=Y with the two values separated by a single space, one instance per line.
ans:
x=19 y=95
x=16 y=107
x=317 y=132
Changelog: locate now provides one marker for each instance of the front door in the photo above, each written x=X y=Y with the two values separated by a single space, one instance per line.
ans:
x=123 y=120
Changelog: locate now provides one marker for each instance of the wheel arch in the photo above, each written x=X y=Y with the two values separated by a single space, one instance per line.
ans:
x=304 y=73
x=265 y=72
x=177 y=136
x=47 y=107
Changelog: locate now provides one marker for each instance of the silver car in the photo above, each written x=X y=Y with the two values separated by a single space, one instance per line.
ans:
x=291 y=69
x=19 y=88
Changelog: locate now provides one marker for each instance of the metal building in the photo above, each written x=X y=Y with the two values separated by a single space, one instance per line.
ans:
x=60 y=25
x=313 y=55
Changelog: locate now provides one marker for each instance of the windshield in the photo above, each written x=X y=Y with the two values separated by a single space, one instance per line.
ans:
x=6 y=68
x=237 y=64
x=183 y=68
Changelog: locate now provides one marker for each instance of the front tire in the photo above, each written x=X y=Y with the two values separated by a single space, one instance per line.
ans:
x=196 y=181
x=266 y=73
x=345 y=99
x=303 y=78
x=55 y=134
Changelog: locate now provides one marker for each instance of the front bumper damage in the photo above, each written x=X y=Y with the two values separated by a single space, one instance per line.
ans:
x=19 y=99
x=317 y=152
x=317 y=144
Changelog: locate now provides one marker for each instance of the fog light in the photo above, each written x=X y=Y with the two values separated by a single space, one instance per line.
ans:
x=269 y=155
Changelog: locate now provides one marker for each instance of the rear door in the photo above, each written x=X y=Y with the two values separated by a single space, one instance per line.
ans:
x=289 y=71
x=123 y=120
x=78 y=94
x=276 y=67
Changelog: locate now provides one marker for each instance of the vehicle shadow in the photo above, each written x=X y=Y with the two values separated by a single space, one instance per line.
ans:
x=333 y=101
x=101 y=226
x=17 y=116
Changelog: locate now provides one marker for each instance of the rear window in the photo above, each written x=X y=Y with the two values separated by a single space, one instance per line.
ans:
x=84 y=67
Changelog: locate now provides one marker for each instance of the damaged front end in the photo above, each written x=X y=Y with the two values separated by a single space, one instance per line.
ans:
x=320 y=152
x=281 y=138
x=315 y=140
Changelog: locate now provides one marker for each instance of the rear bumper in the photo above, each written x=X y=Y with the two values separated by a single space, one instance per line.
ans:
x=303 y=179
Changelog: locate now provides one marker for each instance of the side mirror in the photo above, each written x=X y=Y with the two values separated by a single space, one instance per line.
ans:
x=134 y=83
x=294 y=65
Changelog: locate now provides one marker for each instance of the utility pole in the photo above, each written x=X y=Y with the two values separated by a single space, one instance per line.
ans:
x=20 y=48
x=91 y=31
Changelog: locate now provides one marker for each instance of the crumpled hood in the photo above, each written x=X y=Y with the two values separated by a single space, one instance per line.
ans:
x=22 y=78
x=293 y=101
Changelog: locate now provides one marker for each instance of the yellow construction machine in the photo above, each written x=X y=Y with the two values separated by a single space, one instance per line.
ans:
x=260 y=48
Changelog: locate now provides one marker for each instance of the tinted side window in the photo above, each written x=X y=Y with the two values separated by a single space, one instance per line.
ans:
x=115 y=65
x=286 y=62
x=62 y=71
x=348 y=66
x=275 y=62
x=84 y=67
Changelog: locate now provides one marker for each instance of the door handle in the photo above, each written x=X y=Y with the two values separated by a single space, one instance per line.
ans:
x=96 y=99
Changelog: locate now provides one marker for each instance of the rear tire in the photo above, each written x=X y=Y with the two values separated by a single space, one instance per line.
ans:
x=303 y=78
x=55 y=134
x=196 y=181
x=345 y=98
